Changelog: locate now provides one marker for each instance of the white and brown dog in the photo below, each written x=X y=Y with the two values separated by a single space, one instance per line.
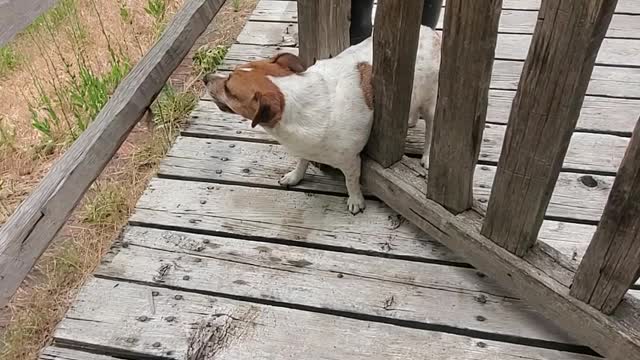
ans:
x=324 y=113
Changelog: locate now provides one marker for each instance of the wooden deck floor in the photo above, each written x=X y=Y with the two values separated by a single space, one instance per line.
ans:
x=218 y=254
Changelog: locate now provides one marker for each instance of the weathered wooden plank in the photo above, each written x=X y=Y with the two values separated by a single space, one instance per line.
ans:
x=58 y=353
x=513 y=20
x=28 y=232
x=312 y=219
x=262 y=165
x=612 y=262
x=588 y=153
x=605 y=81
x=324 y=28
x=618 y=52
x=15 y=15
x=259 y=332
x=394 y=59
x=599 y=114
x=405 y=291
x=539 y=278
x=543 y=117
x=468 y=48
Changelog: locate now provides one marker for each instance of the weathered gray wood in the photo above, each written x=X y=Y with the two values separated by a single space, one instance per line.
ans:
x=58 y=353
x=260 y=164
x=468 y=49
x=544 y=114
x=15 y=15
x=513 y=20
x=405 y=291
x=612 y=262
x=538 y=278
x=260 y=332
x=618 y=52
x=317 y=220
x=394 y=59
x=599 y=114
x=28 y=232
x=324 y=28
x=605 y=81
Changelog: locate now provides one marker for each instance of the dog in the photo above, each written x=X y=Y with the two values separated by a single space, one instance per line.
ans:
x=324 y=113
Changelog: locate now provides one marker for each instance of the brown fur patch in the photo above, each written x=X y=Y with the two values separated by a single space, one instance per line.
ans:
x=366 y=82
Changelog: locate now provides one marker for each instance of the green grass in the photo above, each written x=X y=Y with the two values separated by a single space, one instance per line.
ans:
x=207 y=59
x=235 y=4
x=157 y=9
x=54 y=17
x=9 y=60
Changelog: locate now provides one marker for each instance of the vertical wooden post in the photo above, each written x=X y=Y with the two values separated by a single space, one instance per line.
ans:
x=323 y=28
x=545 y=110
x=468 y=48
x=395 y=44
x=612 y=261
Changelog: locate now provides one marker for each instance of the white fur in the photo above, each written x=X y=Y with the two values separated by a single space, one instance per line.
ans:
x=327 y=120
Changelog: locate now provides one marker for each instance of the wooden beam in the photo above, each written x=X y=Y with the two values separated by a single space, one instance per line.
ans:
x=468 y=48
x=395 y=44
x=612 y=261
x=543 y=116
x=28 y=232
x=16 y=15
x=542 y=277
x=323 y=28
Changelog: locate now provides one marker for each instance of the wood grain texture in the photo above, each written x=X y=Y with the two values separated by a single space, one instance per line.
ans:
x=258 y=332
x=618 y=83
x=33 y=225
x=615 y=52
x=513 y=19
x=612 y=262
x=468 y=49
x=394 y=59
x=543 y=117
x=381 y=288
x=599 y=114
x=58 y=353
x=324 y=28
x=15 y=15
x=538 y=277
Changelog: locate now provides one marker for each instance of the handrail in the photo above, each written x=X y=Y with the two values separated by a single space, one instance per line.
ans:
x=35 y=223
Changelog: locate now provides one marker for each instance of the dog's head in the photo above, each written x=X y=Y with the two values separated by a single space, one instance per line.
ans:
x=249 y=92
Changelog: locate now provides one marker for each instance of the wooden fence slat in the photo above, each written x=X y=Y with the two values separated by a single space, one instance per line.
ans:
x=28 y=232
x=324 y=28
x=612 y=261
x=544 y=114
x=395 y=44
x=468 y=48
x=541 y=277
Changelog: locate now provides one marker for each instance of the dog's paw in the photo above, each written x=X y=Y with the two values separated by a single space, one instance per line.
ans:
x=291 y=179
x=425 y=161
x=356 y=204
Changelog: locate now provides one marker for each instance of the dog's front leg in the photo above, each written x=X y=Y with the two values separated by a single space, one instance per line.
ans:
x=351 y=171
x=294 y=177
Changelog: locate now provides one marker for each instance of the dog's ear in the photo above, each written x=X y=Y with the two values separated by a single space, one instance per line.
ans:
x=290 y=62
x=269 y=109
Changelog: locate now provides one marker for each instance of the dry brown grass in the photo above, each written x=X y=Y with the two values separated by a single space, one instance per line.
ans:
x=49 y=289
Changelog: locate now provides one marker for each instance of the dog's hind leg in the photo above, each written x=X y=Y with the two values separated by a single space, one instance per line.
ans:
x=428 y=115
x=294 y=177
x=351 y=171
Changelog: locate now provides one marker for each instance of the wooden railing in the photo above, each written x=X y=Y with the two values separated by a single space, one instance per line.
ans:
x=32 y=227
x=589 y=302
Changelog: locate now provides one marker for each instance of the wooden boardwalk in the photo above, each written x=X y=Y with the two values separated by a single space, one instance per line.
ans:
x=219 y=262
